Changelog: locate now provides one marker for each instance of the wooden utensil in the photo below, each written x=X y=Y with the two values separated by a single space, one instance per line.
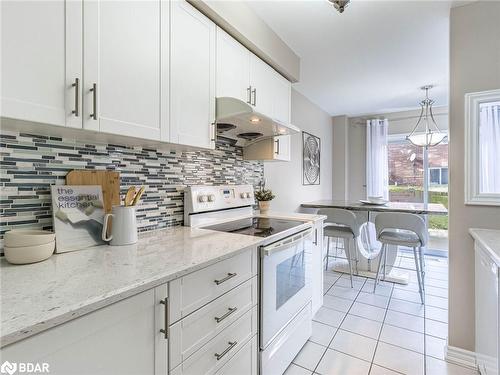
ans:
x=129 y=197
x=138 y=195
x=109 y=181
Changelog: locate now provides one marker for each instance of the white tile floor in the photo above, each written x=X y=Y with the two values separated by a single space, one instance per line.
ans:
x=389 y=332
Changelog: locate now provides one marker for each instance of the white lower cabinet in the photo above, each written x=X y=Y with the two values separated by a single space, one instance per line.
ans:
x=211 y=357
x=191 y=333
x=243 y=362
x=317 y=264
x=487 y=312
x=117 y=339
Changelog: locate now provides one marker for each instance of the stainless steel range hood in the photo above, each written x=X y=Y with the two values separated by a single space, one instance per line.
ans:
x=238 y=120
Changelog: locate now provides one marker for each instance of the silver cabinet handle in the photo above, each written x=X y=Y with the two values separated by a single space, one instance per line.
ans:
x=212 y=139
x=165 y=330
x=249 y=94
x=76 y=85
x=277 y=141
x=230 y=311
x=94 y=101
x=231 y=345
x=254 y=92
x=315 y=237
x=229 y=276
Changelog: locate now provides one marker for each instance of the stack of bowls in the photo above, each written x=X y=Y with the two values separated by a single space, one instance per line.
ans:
x=28 y=246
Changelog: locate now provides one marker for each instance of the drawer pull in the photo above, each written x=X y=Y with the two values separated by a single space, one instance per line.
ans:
x=228 y=277
x=165 y=330
x=231 y=345
x=229 y=312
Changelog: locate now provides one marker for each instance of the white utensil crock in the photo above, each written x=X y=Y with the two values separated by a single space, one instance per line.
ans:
x=124 y=229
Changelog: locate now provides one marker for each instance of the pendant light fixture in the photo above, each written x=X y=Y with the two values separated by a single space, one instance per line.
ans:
x=431 y=136
x=340 y=5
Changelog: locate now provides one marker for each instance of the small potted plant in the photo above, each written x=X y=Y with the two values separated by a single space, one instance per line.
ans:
x=264 y=197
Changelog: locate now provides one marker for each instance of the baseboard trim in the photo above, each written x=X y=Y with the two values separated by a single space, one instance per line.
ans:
x=460 y=357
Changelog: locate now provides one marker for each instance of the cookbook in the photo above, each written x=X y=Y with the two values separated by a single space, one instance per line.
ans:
x=78 y=213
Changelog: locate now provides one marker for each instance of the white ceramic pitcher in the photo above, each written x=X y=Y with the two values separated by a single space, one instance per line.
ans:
x=124 y=228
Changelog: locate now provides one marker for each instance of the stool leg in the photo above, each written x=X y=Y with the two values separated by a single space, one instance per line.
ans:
x=327 y=252
x=422 y=266
x=356 y=255
x=419 y=275
x=382 y=251
x=385 y=263
x=348 y=256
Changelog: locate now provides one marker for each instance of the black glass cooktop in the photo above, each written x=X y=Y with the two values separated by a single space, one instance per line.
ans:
x=256 y=226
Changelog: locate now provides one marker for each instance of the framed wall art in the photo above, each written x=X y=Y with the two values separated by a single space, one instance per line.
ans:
x=311 y=158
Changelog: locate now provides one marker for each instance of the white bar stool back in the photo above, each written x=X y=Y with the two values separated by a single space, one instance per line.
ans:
x=341 y=224
x=402 y=229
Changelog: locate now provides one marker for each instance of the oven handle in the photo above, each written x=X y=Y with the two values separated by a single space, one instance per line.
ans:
x=285 y=243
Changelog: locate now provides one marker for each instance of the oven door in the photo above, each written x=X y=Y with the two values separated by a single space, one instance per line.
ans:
x=285 y=283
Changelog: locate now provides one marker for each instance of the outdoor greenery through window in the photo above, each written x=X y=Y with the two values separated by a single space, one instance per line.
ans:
x=406 y=181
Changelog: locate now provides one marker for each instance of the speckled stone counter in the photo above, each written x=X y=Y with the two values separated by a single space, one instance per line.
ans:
x=39 y=296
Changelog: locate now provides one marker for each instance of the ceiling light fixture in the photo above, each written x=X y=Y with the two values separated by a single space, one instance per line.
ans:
x=255 y=119
x=431 y=136
x=340 y=5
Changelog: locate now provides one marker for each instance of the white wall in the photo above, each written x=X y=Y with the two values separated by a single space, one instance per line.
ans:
x=285 y=178
x=474 y=66
x=399 y=123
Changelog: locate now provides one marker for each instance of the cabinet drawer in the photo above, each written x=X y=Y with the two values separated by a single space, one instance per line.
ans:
x=195 y=290
x=216 y=353
x=192 y=332
x=244 y=362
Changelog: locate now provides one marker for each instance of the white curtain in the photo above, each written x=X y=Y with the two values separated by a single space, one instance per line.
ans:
x=489 y=148
x=377 y=166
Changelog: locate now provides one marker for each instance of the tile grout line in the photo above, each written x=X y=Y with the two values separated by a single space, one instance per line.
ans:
x=381 y=328
x=340 y=324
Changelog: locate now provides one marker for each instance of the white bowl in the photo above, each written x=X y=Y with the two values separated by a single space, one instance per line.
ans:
x=29 y=254
x=23 y=238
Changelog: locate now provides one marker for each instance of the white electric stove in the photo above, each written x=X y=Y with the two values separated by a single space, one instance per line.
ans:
x=285 y=266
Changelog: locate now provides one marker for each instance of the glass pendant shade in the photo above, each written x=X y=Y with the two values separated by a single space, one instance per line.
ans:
x=426 y=132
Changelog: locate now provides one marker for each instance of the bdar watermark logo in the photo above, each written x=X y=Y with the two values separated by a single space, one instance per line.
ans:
x=8 y=368
x=12 y=368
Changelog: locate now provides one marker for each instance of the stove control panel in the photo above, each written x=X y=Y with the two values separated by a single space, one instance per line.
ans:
x=201 y=198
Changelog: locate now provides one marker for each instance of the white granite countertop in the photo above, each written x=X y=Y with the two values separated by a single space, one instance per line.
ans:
x=39 y=296
x=292 y=216
x=489 y=240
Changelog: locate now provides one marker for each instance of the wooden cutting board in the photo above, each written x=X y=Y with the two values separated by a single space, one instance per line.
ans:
x=109 y=181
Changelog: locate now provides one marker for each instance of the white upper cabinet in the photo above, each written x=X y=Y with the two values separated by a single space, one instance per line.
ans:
x=282 y=97
x=41 y=60
x=233 y=68
x=192 y=77
x=242 y=75
x=261 y=78
x=125 y=67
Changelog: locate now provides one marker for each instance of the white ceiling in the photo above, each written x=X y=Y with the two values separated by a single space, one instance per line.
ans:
x=372 y=58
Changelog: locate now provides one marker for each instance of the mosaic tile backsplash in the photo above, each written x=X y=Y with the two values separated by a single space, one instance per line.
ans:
x=31 y=163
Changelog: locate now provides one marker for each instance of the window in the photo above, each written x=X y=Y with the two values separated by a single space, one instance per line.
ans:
x=438 y=176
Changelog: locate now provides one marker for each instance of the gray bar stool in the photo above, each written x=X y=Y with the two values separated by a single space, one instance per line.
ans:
x=402 y=229
x=341 y=224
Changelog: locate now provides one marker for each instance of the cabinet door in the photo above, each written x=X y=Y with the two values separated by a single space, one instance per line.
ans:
x=161 y=338
x=233 y=68
x=192 y=77
x=41 y=59
x=117 y=339
x=281 y=99
x=282 y=148
x=125 y=67
x=261 y=80
x=317 y=265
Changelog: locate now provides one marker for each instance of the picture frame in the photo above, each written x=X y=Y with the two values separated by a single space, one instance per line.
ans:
x=311 y=159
